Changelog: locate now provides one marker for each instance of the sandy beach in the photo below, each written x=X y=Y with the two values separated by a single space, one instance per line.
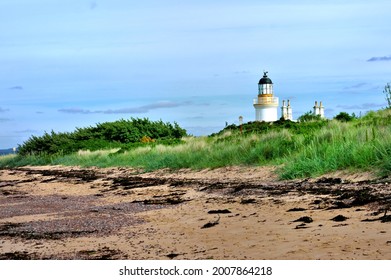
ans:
x=56 y=212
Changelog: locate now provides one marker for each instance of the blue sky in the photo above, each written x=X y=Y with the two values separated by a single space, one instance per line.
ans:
x=75 y=63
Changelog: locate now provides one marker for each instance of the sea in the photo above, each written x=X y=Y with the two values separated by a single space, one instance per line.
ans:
x=4 y=152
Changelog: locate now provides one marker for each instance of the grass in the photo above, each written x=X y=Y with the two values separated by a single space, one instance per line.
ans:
x=311 y=150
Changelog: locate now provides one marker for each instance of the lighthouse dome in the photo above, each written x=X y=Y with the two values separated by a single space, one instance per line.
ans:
x=265 y=79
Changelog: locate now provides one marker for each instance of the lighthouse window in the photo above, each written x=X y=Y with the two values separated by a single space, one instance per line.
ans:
x=267 y=88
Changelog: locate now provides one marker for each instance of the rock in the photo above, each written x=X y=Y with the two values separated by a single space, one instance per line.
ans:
x=304 y=219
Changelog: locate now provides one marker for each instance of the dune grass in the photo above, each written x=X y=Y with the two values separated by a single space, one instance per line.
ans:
x=341 y=146
x=360 y=145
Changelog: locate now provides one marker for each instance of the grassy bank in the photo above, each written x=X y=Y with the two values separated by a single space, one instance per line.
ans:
x=301 y=150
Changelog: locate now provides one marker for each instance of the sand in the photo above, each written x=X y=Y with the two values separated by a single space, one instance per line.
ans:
x=233 y=213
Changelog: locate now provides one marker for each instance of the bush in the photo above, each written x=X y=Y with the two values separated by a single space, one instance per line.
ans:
x=309 y=116
x=102 y=136
x=263 y=127
x=345 y=117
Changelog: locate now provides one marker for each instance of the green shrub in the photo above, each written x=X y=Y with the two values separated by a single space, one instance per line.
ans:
x=106 y=135
x=344 y=117
x=309 y=116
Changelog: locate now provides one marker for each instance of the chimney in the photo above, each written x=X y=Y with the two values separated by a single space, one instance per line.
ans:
x=321 y=110
x=284 y=111
x=289 y=111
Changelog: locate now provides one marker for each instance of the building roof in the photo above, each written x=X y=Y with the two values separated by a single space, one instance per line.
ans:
x=265 y=79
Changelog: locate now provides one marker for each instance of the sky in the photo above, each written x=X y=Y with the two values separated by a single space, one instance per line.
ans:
x=76 y=63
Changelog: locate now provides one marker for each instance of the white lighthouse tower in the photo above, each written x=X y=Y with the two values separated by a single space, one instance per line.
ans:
x=266 y=104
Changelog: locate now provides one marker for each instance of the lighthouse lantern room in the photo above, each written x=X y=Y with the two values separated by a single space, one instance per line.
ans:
x=266 y=104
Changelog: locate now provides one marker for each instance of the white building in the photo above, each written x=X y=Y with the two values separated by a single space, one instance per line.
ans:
x=319 y=109
x=266 y=104
x=286 y=110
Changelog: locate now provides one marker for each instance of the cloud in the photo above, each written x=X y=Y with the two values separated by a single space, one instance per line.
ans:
x=3 y=110
x=365 y=106
x=76 y=111
x=356 y=86
x=379 y=58
x=133 y=110
x=26 y=131
x=16 y=88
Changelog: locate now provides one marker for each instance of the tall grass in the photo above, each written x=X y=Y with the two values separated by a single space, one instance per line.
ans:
x=341 y=146
x=16 y=160
x=363 y=144
x=195 y=153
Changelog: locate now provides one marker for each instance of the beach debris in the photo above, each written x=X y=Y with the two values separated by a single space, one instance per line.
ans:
x=164 y=201
x=81 y=176
x=18 y=255
x=331 y=181
x=134 y=182
x=385 y=219
x=222 y=211
x=104 y=253
x=339 y=218
x=340 y=225
x=248 y=201
x=339 y=205
x=302 y=225
x=304 y=219
x=172 y=255
x=382 y=206
x=296 y=209
x=211 y=224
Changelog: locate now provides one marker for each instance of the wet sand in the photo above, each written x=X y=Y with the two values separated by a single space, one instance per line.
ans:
x=55 y=212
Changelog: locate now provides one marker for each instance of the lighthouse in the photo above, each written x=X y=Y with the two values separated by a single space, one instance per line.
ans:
x=266 y=104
